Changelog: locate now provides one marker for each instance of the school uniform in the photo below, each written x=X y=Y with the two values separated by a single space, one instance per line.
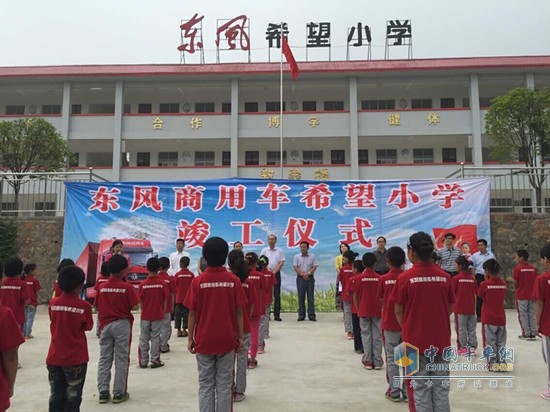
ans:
x=465 y=290
x=154 y=294
x=114 y=302
x=541 y=292
x=183 y=280
x=344 y=276
x=166 y=330
x=493 y=318
x=215 y=297
x=356 y=327
x=370 y=317
x=425 y=292
x=10 y=338
x=242 y=356
x=33 y=287
x=67 y=359
x=256 y=280
x=99 y=281
x=14 y=294
x=525 y=276
x=269 y=284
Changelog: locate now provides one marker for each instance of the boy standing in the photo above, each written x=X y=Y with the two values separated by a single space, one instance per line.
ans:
x=344 y=276
x=67 y=359
x=183 y=281
x=215 y=301
x=525 y=276
x=14 y=292
x=465 y=290
x=114 y=302
x=154 y=295
x=33 y=287
x=542 y=313
x=166 y=331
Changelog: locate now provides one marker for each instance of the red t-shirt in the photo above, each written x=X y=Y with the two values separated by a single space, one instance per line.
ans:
x=248 y=290
x=14 y=294
x=33 y=287
x=525 y=276
x=70 y=318
x=171 y=282
x=493 y=292
x=215 y=296
x=183 y=280
x=56 y=289
x=115 y=300
x=100 y=280
x=257 y=283
x=366 y=288
x=269 y=282
x=465 y=289
x=350 y=289
x=10 y=338
x=386 y=285
x=541 y=292
x=425 y=292
x=344 y=277
x=153 y=293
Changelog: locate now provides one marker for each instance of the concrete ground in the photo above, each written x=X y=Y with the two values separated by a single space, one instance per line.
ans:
x=308 y=366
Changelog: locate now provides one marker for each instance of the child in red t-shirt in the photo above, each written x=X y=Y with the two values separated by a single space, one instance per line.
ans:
x=67 y=359
x=357 y=268
x=344 y=276
x=369 y=311
x=493 y=318
x=465 y=290
x=183 y=280
x=14 y=292
x=64 y=262
x=525 y=276
x=541 y=293
x=257 y=282
x=154 y=294
x=33 y=286
x=103 y=277
x=166 y=331
x=269 y=282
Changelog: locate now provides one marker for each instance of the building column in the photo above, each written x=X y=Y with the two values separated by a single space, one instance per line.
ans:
x=354 y=129
x=477 y=153
x=234 y=133
x=117 y=133
x=530 y=80
x=66 y=111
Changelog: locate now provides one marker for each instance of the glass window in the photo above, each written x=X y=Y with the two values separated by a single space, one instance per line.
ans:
x=423 y=155
x=309 y=106
x=386 y=156
x=313 y=157
x=274 y=106
x=251 y=107
x=145 y=108
x=205 y=107
x=448 y=154
x=169 y=108
x=15 y=110
x=226 y=107
x=447 y=102
x=101 y=108
x=226 y=158
x=337 y=157
x=363 y=157
x=143 y=159
x=168 y=159
x=205 y=158
x=252 y=158
x=274 y=158
x=466 y=102
x=76 y=109
x=333 y=105
x=421 y=103
x=51 y=109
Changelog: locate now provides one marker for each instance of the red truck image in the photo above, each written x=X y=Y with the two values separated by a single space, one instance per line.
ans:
x=93 y=255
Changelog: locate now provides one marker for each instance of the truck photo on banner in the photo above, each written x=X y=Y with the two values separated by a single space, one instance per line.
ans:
x=150 y=216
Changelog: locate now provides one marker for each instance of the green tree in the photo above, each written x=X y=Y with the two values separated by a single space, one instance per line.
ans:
x=30 y=145
x=519 y=121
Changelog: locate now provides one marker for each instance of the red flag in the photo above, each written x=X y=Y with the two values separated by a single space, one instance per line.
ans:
x=294 y=70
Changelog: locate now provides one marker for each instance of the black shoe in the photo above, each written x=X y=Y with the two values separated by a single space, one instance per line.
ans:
x=165 y=350
x=301 y=318
x=313 y=318
x=278 y=318
x=104 y=397
x=118 y=398
x=143 y=366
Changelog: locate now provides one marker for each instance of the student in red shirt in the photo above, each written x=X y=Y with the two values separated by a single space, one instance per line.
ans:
x=541 y=293
x=14 y=292
x=103 y=277
x=269 y=283
x=391 y=330
x=493 y=318
x=344 y=276
x=423 y=297
x=465 y=290
x=183 y=280
x=33 y=286
x=525 y=276
x=154 y=294
x=10 y=339
x=115 y=301
x=67 y=359
x=369 y=310
x=357 y=268
x=65 y=262
x=215 y=301
x=257 y=283
x=166 y=331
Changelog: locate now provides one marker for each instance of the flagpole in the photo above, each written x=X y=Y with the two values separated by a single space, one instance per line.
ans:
x=281 y=104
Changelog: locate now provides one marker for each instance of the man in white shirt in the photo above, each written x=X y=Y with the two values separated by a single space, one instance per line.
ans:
x=176 y=256
x=478 y=259
x=276 y=261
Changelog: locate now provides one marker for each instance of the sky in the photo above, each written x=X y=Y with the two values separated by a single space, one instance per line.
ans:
x=66 y=32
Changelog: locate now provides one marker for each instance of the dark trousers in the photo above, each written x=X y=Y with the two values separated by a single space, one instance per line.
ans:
x=277 y=296
x=305 y=287
x=181 y=316
x=357 y=341
x=480 y=277
x=66 y=385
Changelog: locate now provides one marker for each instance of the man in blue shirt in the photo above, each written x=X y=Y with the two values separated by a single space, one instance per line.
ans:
x=305 y=265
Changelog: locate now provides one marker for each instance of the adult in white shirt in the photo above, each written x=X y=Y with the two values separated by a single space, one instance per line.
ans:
x=176 y=256
x=478 y=259
x=276 y=261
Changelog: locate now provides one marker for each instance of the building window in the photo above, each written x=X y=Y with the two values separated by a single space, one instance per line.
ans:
x=74 y=159
x=448 y=154
x=313 y=157
x=51 y=109
x=310 y=106
x=76 y=109
x=168 y=159
x=101 y=108
x=447 y=102
x=274 y=106
x=125 y=159
x=44 y=208
x=386 y=156
x=226 y=107
x=226 y=158
x=144 y=159
x=333 y=105
x=252 y=158
x=377 y=104
x=485 y=101
x=15 y=110
x=251 y=107
x=363 y=157
x=468 y=156
x=337 y=157
x=421 y=103
x=169 y=108
x=145 y=108
x=423 y=155
x=487 y=154
x=466 y=102
x=99 y=159
x=7 y=206
x=274 y=158
x=205 y=107
x=205 y=158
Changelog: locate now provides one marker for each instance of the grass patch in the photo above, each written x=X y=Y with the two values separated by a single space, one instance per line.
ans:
x=324 y=300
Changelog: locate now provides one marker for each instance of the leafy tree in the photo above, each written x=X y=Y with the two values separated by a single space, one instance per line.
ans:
x=30 y=145
x=519 y=121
